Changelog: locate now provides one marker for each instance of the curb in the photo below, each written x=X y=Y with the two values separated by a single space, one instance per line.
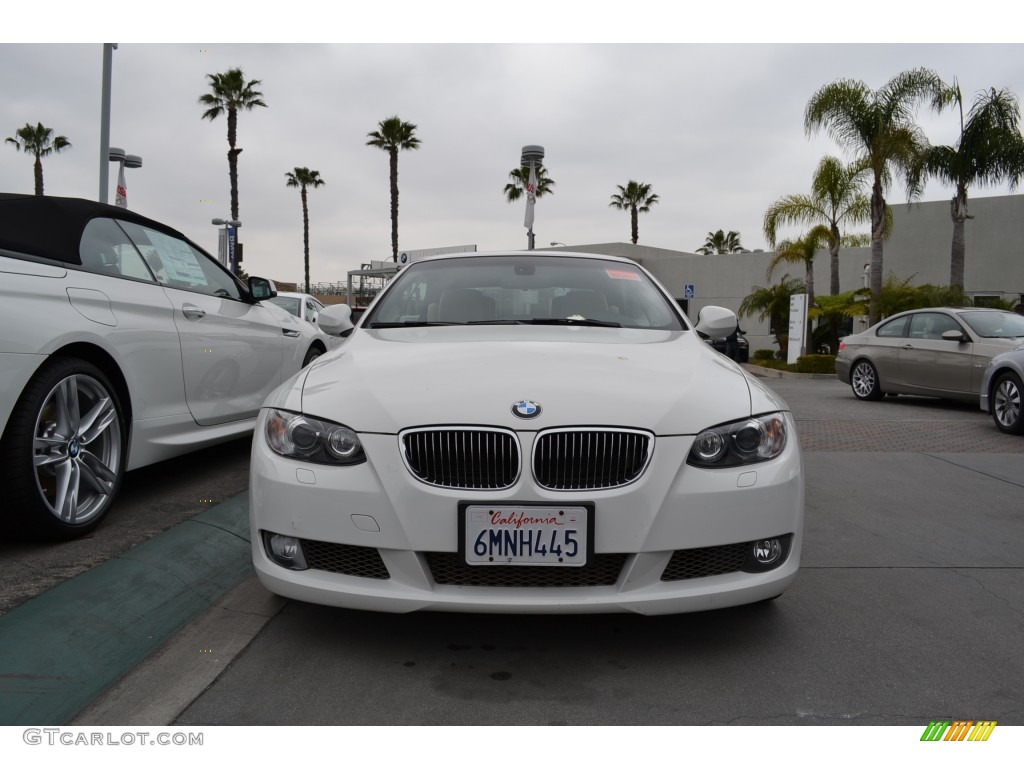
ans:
x=773 y=373
x=61 y=649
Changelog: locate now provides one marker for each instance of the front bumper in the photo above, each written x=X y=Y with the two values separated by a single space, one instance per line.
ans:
x=381 y=507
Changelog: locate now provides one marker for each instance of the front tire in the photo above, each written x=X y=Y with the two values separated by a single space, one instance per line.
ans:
x=65 y=449
x=314 y=352
x=1006 y=403
x=864 y=381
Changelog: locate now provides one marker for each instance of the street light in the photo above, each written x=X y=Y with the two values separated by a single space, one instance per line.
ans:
x=227 y=242
x=117 y=155
x=561 y=244
x=532 y=155
x=108 y=56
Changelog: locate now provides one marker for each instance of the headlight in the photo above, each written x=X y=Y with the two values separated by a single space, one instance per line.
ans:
x=321 y=442
x=758 y=438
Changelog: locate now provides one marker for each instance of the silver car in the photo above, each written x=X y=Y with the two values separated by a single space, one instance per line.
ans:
x=938 y=352
x=1001 y=390
x=122 y=344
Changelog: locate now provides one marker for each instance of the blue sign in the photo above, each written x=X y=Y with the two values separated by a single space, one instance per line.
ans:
x=688 y=291
x=232 y=239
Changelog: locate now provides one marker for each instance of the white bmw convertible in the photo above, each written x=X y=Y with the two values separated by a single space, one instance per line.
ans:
x=526 y=432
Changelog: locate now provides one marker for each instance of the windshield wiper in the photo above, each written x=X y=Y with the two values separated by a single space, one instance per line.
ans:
x=568 y=321
x=530 y=321
x=409 y=324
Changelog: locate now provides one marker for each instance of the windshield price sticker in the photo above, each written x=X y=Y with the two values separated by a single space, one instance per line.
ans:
x=526 y=535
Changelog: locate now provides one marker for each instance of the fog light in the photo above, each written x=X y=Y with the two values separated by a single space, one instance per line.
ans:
x=286 y=551
x=767 y=551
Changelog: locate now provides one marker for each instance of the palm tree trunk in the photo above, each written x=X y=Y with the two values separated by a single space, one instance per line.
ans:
x=877 y=233
x=305 y=232
x=634 y=220
x=808 y=339
x=833 y=253
x=958 y=212
x=233 y=161
x=394 y=203
x=38 y=170
x=233 y=181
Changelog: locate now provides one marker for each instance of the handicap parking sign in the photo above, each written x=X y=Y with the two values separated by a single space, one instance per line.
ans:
x=688 y=291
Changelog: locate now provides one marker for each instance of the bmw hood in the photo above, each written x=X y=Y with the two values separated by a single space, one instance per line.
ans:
x=669 y=382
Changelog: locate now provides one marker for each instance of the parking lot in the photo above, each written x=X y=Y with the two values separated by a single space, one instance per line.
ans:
x=909 y=607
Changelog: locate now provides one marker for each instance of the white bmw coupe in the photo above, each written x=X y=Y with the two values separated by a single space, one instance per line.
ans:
x=526 y=432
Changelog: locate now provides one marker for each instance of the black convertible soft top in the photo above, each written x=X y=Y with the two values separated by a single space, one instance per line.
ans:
x=51 y=227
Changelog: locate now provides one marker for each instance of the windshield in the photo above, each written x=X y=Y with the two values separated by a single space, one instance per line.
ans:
x=995 y=325
x=527 y=289
x=289 y=303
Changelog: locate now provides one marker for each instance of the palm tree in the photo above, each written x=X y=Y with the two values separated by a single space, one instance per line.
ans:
x=721 y=242
x=38 y=141
x=879 y=126
x=835 y=199
x=802 y=251
x=391 y=136
x=773 y=303
x=990 y=150
x=635 y=197
x=304 y=179
x=229 y=93
x=521 y=176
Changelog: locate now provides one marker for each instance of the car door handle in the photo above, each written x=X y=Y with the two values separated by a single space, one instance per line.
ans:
x=290 y=333
x=192 y=312
x=907 y=346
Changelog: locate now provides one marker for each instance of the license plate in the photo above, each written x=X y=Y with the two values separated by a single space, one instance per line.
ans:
x=526 y=535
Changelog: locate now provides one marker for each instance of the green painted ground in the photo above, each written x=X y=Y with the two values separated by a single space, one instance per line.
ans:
x=61 y=649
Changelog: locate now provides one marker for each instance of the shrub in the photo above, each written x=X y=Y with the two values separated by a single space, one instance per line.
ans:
x=778 y=365
x=764 y=354
x=816 y=364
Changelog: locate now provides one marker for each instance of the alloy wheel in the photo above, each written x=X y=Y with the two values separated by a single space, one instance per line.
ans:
x=1006 y=403
x=864 y=380
x=77 y=449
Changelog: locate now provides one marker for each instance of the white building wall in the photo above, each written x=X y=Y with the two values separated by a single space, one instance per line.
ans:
x=919 y=247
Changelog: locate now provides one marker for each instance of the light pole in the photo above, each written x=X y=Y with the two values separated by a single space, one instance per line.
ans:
x=227 y=242
x=532 y=155
x=108 y=57
x=117 y=155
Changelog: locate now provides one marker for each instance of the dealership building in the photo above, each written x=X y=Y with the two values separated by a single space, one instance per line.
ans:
x=918 y=248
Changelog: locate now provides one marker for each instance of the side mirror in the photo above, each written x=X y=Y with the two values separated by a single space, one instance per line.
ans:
x=952 y=335
x=261 y=289
x=716 y=322
x=335 y=320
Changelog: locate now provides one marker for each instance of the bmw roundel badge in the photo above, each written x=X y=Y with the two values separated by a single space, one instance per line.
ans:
x=526 y=409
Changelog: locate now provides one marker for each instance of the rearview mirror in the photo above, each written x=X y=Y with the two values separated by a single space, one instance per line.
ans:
x=716 y=322
x=261 y=289
x=952 y=335
x=335 y=320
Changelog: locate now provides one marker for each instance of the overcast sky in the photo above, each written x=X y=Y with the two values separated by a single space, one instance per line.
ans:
x=715 y=129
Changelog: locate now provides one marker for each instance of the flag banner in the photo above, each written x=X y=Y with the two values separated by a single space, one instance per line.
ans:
x=122 y=190
x=531 y=197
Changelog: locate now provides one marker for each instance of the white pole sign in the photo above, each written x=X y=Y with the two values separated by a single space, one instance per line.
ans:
x=797 y=323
